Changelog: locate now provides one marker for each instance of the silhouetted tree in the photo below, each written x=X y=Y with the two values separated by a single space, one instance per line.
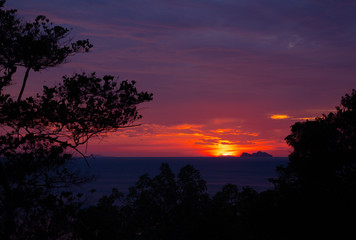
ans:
x=51 y=218
x=39 y=134
x=150 y=207
x=162 y=207
x=102 y=221
x=223 y=215
x=191 y=187
x=319 y=182
x=33 y=45
x=10 y=27
x=192 y=202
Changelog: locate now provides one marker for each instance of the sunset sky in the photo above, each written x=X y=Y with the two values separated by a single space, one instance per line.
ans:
x=228 y=76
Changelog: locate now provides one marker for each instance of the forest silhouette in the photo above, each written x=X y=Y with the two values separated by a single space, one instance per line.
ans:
x=313 y=196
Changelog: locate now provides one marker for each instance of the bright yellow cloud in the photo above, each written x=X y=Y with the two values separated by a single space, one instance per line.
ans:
x=279 y=116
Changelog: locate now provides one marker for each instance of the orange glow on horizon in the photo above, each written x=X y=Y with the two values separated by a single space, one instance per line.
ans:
x=183 y=140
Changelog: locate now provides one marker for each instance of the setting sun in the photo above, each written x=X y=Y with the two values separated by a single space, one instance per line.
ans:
x=224 y=148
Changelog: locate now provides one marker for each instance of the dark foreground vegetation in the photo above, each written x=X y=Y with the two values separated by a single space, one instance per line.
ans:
x=313 y=197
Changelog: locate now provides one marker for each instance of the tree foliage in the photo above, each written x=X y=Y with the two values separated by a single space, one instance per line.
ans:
x=324 y=156
x=319 y=182
x=40 y=133
x=33 y=45
x=74 y=111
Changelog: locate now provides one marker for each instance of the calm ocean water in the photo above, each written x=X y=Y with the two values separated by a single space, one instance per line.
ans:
x=122 y=173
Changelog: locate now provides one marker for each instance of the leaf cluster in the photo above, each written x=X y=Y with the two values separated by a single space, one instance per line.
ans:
x=74 y=111
x=34 y=45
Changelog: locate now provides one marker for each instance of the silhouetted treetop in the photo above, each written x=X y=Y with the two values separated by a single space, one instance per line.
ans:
x=33 y=45
x=79 y=108
x=42 y=44
x=324 y=149
x=10 y=26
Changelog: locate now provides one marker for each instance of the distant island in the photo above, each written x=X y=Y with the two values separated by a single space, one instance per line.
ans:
x=257 y=154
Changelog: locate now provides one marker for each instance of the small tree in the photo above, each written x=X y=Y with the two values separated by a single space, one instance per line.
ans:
x=40 y=133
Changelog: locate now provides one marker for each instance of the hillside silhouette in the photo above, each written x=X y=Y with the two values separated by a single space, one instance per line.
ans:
x=258 y=154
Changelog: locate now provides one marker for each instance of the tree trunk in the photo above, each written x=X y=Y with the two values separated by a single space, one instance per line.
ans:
x=23 y=84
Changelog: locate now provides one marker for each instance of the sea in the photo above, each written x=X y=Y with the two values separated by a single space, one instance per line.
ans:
x=124 y=172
